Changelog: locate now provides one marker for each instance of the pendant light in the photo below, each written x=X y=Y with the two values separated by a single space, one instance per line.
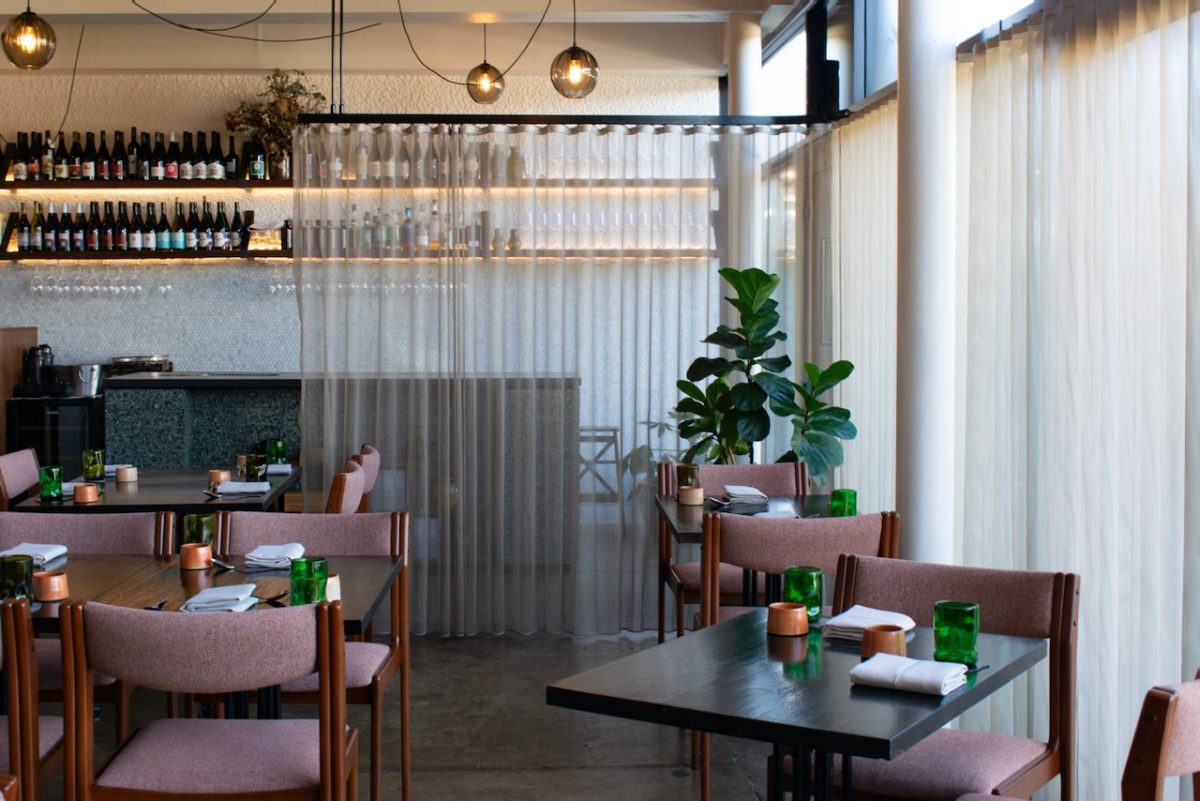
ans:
x=485 y=83
x=574 y=71
x=28 y=40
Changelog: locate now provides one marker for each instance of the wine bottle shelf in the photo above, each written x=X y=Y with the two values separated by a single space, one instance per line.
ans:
x=143 y=255
x=173 y=185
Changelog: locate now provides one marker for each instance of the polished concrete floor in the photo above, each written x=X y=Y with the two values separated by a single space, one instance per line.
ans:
x=482 y=729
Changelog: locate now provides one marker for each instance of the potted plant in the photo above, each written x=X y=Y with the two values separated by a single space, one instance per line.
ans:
x=270 y=120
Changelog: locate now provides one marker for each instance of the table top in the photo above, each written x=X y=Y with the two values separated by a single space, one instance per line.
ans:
x=174 y=490
x=687 y=522
x=140 y=581
x=731 y=679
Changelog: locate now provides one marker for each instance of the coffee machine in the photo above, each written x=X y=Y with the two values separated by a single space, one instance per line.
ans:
x=37 y=371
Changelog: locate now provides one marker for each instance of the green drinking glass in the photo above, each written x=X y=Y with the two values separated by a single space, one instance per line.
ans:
x=256 y=467
x=843 y=503
x=803 y=584
x=955 y=631
x=276 y=452
x=16 y=576
x=93 y=464
x=309 y=575
x=50 y=483
x=199 y=529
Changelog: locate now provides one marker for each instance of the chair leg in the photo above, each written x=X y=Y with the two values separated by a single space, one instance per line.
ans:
x=124 y=695
x=405 y=732
x=662 y=609
x=376 y=739
x=679 y=608
x=705 y=741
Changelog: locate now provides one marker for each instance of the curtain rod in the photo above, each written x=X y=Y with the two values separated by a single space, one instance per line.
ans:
x=567 y=119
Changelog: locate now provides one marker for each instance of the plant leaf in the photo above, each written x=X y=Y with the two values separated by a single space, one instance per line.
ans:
x=691 y=390
x=753 y=426
x=776 y=364
x=813 y=372
x=777 y=387
x=747 y=397
x=727 y=338
x=705 y=366
x=692 y=406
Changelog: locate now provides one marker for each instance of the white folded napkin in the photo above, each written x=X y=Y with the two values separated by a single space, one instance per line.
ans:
x=274 y=556
x=279 y=469
x=41 y=553
x=738 y=492
x=913 y=675
x=230 y=598
x=111 y=469
x=849 y=625
x=243 y=487
x=68 y=488
x=777 y=515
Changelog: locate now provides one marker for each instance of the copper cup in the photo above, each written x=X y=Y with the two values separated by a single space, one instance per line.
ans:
x=883 y=638
x=86 y=493
x=691 y=496
x=195 y=556
x=787 y=619
x=215 y=477
x=126 y=475
x=50 y=585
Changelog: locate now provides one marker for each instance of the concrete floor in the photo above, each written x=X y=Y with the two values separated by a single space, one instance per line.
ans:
x=482 y=729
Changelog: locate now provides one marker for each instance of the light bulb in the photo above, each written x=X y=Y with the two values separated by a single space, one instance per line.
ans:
x=29 y=41
x=574 y=72
x=485 y=84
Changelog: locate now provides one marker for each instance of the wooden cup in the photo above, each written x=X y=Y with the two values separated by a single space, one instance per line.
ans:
x=691 y=496
x=126 y=475
x=50 y=585
x=883 y=638
x=787 y=619
x=195 y=556
x=86 y=493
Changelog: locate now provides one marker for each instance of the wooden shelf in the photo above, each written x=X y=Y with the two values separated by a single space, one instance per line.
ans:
x=175 y=185
x=529 y=255
x=144 y=255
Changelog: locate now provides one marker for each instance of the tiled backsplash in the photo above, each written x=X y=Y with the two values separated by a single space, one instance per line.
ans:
x=205 y=316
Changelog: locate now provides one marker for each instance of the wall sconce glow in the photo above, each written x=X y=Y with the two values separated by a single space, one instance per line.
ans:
x=485 y=84
x=574 y=72
x=29 y=41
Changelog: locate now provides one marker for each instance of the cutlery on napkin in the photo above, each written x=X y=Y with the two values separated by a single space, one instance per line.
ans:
x=40 y=553
x=231 y=598
x=279 y=469
x=111 y=469
x=243 y=488
x=274 y=556
x=849 y=625
x=913 y=675
x=738 y=493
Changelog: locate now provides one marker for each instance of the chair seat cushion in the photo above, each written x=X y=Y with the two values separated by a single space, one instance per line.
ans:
x=945 y=765
x=688 y=576
x=49 y=662
x=218 y=756
x=50 y=734
x=362 y=660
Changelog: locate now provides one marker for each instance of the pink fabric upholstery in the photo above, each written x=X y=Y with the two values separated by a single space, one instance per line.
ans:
x=945 y=765
x=689 y=577
x=368 y=534
x=132 y=533
x=771 y=544
x=18 y=472
x=227 y=756
x=201 y=653
x=49 y=662
x=773 y=479
x=50 y=734
x=370 y=466
x=352 y=495
x=1013 y=602
x=986 y=797
x=1183 y=749
x=362 y=660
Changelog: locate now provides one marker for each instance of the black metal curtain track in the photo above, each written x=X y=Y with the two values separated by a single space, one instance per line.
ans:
x=565 y=119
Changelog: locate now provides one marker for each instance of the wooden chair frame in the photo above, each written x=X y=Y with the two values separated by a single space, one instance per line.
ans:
x=364 y=505
x=337 y=489
x=339 y=765
x=1145 y=767
x=22 y=693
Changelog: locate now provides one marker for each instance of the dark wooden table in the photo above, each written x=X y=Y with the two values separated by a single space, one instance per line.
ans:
x=140 y=581
x=179 y=491
x=792 y=692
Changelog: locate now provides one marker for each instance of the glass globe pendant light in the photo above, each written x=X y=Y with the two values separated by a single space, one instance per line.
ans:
x=574 y=71
x=485 y=83
x=28 y=40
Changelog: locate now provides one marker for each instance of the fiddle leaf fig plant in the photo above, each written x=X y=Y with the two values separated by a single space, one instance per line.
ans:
x=817 y=427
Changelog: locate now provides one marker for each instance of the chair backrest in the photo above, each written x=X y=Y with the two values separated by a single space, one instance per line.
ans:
x=1016 y=602
x=149 y=533
x=1166 y=741
x=346 y=491
x=21 y=692
x=370 y=460
x=770 y=545
x=780 y=478
x=18 y=475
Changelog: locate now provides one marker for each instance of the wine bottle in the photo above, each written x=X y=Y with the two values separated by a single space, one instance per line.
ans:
x=79 y=228
x=376 y=161
x=120 y=158
x=232 y=162
x=50 y=229
x=136 y=226
x=200 y=159
x=144 y=156
x=388 y=160
x=62 y=166
x=187 y=159
x=33 y=157
x=258 y=161
x=165 y=236
x=171 y=164
x=158 y=159
x=103 y=159
x=220 y=235
x=435 y=227
x=204 y=237
x=75 y=168
x=88 y=170
x=150 y=230
x=178 y=234
x=36 y=227
x=407 y=234
x=20 y=166
x=191 y=229
x=23 y=230
x=93 y=226
x=133 y=158
x=362 y=156
x=236 y=228
x=66 y=227
x=108 y=228
x=121 y=233
x=216 y=159
x=48 y=158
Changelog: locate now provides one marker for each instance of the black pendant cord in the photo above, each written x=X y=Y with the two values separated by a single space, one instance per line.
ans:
x=341 y=56
x=332 y=57
x=223 y=32
x=421 y=61
x=574 y=25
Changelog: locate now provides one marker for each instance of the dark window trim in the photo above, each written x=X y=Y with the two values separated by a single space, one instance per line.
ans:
x=576 y=119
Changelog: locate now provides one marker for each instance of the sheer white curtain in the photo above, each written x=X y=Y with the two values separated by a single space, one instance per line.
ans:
x=503 y=312
x=1078 y=214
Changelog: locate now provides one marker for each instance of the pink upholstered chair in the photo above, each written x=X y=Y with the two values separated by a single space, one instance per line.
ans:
x=951 y=762
x=683 y=578
x=213 y=653
x=1166 y=741
x=32 y=745
x=18 y=475
x=346 y=491
x=8 y=788
x=142 y=533
x=369 y=458
x=370 y=666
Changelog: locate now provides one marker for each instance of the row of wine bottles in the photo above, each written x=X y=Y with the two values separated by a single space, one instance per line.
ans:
x=118 y=230
x=41 y=157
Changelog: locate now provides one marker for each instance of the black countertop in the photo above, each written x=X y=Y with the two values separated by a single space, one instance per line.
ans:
x=203 y=380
